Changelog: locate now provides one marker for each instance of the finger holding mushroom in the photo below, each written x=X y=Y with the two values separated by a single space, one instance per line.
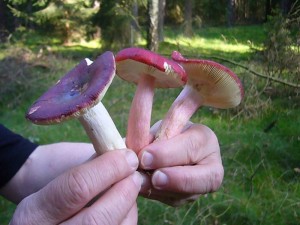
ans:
x=209 y=84
x=148 y=70
x=78 y=95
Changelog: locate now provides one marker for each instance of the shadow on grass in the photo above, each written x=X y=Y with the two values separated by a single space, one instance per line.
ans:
x=38 y=43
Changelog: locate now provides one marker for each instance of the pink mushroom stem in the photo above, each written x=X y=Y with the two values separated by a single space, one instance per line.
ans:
x=209 y=84
x=148 y=70
x=138 y=130
x=180 y=112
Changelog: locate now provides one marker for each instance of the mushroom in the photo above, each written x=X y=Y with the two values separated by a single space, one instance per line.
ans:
x=209 y=84
x=148 y=70
x=78 y=95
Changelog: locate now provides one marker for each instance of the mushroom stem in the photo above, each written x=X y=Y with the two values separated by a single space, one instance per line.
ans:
x=138 y=130
x=148 y=70
x=78 y=94
x=182 y=109
x=101 y=129
x=209 y=84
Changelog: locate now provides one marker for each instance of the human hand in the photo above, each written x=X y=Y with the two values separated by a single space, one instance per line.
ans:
x=185 y=166
x=64 y=199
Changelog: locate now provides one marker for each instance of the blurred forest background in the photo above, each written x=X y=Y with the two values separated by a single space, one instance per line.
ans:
x=259 y=40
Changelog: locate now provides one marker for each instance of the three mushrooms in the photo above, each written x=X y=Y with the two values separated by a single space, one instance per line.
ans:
x=79 y=93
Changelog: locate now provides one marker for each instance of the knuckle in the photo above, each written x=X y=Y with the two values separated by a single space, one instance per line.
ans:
x=204 y=131
x=19 y=216
x=193 y=147
x=78 y=187
x=126 y=193
x=201 y=142
x=187 y=183
x=208 y=182
x=213 y=140
x=104 y=214
x=216 y=178
x=115 y=168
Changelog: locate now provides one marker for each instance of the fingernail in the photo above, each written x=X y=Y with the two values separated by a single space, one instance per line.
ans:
x=159 y=179
x=137 y=179
x=132 y=159
x=144 y=179
x=147 y=160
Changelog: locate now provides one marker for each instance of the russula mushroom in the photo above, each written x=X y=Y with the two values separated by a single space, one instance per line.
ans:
x=78 y=95
x=148 y=70
x=209 y=84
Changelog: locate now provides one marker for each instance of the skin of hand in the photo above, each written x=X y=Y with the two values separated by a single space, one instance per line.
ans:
x=183 y=167
x=191 y=162
x=112 y=177
x=44 y=164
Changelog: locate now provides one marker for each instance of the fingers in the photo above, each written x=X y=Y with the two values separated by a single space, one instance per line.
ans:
x=71 y=191
x=115 y=205
x=198 y=179
x=185 y=166
x=165 y=196
x=188 y=148
x=178 y=185
x=132 y=216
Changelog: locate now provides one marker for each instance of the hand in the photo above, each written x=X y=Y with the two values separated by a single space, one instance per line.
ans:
x=185 y=167
x=44 y=164
x=111 y=176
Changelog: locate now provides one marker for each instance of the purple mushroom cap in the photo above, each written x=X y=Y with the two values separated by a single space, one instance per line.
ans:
x=80 y=89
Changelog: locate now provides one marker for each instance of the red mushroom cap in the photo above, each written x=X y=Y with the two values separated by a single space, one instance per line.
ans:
x=218 y=86
x=80 y=89
x=131 y=63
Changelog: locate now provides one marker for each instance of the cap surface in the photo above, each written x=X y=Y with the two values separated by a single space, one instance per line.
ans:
x=81 y=88
x=131 y=63
x=218 y=85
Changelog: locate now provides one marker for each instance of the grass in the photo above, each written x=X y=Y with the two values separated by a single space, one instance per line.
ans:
x=232 y=43
x=261 y=184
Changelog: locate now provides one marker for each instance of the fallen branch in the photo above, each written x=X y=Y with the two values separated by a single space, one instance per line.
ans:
x=258 y=74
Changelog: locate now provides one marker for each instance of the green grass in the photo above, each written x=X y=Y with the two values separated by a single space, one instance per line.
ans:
x=261 y=184
x=236 y=43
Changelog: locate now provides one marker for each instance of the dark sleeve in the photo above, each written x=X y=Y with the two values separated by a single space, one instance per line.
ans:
x=14 y=150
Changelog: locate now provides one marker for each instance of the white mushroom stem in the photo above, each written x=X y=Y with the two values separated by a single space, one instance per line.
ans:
x=182 y=109
x=138 y=129
x=101 y=129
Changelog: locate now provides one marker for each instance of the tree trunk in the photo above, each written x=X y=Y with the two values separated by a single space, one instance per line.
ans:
x=231 y=13
x=3 y=32
x=285 y=6
x=268 y=9
x=161 y=15
x=7 y=21
x=188 y=18
x=134 y=23
x=152 y=29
